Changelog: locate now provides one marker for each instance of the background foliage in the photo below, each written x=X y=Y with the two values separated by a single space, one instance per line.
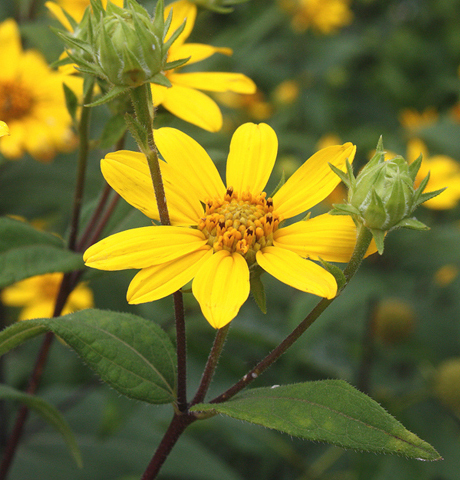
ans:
x=354 y=84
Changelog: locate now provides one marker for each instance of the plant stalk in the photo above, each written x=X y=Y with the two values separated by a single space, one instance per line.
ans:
x=142 y=102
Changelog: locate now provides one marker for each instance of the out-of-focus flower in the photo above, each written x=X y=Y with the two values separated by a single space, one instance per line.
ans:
x=254 y=105
x=37 y=296
x=446 y=383
x=286 y=93
x=393 y=321
x=444 y=172
x=4 y=130
x=221 y=235
x=446 y=275
x=32 y=101
x=323 y=16
x=75 y=8
x=184 y=99
x=413 y=120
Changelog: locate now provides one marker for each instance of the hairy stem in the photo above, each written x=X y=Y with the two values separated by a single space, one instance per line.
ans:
x=211 y=365
x=142 y=101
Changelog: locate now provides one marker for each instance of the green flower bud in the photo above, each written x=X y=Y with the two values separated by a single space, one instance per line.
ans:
x=123 y=46
x=382 y=197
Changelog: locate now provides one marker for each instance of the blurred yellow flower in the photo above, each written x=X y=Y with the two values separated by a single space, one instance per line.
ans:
x=412 y=119
x=37 y=295
x=324 y=16
x=444 y=172
x=286 y=92
x=254 y=105
x=219 y=233
x=32 y=101
x=183 y=99
x=4 y=130
x=446 y=275
x=75 y=8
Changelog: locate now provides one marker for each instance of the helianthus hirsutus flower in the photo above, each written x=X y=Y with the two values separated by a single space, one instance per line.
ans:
x=184 y=99
x=32 y=101
x=219 y=233
x=37 y=296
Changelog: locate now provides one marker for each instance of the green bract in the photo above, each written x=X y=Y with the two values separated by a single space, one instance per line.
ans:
x=382 y=197
x=123 y=46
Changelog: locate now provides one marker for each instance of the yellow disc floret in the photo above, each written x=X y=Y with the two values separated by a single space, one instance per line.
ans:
x=242 y=223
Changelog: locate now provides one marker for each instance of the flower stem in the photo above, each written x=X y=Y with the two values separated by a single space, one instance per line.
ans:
x=83 y=131
x=177 y=426
x=211 y=364
x=362 y=244
x=142 y=130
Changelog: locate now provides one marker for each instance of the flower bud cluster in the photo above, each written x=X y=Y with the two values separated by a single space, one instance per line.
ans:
x=123 y=46
x=382 y=197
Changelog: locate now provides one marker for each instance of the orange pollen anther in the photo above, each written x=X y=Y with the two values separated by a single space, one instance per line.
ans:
x=243 y=223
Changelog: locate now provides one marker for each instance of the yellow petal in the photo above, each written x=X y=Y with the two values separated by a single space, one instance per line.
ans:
x=190 y=162
x=128 y=174
x=221 y=286
x=158 y=93
x=196 y=52
x=143 y=247
x=215 y=81
x=313 y=181
x=297 y=272
x=156 y=282
x=253 y=151
x=4 y=130
x=182 y=10
x=57 y=12
x=194 y=107
x=11 y=50
x=329 y=237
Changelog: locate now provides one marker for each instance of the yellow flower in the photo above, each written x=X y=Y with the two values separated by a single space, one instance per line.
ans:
x=413 y=120
x=183 y=99
x=219 y=233
x=325 y=16
x=31 y=101
x=4 y=130
x=75 y=8
x=37 y=295
x=444 y=172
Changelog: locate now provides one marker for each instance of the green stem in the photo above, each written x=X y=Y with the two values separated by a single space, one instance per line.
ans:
x=83 y=131
x=362 y=244
x=211 y=365
x=143 y=133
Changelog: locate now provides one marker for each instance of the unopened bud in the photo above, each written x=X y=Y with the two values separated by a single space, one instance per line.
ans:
x=382 y=197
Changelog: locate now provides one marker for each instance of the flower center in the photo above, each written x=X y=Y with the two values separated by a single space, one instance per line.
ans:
x=15 y=101
x=242 y=223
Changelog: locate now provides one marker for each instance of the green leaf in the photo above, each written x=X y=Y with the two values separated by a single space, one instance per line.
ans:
x=131 y=354
x=25 y=252
x=49 y=413
x=18 y=333
x=71 y=102
x=258 y=289
x=330 y=411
